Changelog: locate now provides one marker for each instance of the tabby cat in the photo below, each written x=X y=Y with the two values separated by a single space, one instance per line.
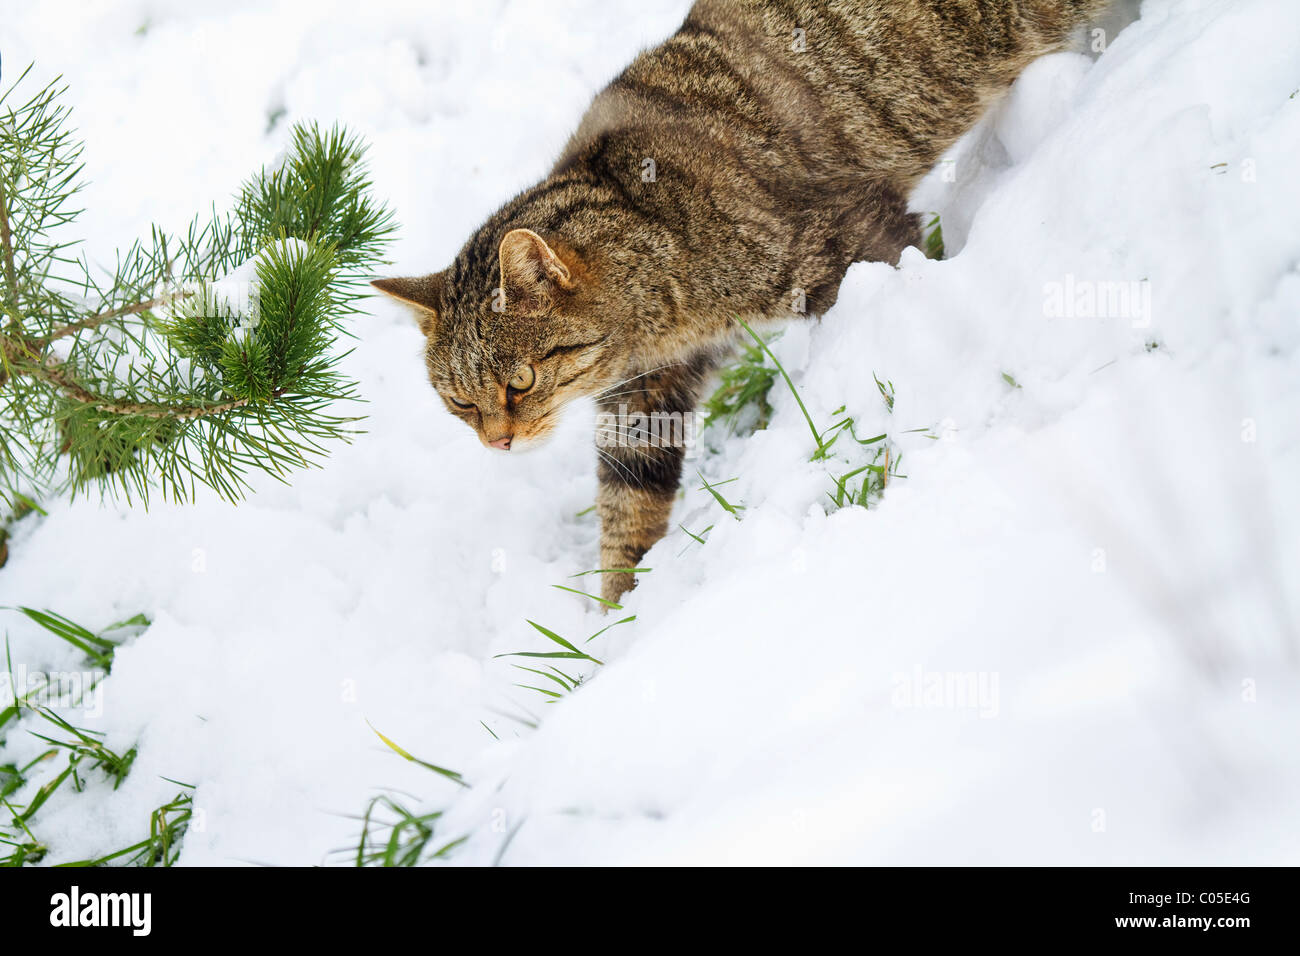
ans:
x=735 y=170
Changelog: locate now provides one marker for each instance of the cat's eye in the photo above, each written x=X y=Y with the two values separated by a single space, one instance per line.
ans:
x=523 y=380
x=459 y=404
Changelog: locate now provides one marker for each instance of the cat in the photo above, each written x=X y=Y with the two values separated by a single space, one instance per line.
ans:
x=734 y=171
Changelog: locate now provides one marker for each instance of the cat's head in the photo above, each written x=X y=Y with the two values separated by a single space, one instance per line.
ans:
x=507 y=359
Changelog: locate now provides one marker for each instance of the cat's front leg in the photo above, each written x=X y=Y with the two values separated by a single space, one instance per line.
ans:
x=643 y=427
x=632 y=519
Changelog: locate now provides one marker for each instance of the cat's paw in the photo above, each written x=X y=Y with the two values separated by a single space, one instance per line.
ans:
x=614 y=586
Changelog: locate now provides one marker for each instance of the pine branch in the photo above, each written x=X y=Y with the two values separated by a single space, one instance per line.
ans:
x=7 y=254
x=100 y=318
x=64 y=381
x=202 y=357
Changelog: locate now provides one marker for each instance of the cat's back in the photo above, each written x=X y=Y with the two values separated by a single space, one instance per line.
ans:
x=826 y=87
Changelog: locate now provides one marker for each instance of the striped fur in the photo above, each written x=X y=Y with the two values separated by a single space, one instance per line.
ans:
x=737 y=169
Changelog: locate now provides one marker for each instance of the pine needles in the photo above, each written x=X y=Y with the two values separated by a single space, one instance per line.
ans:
x=201 y=358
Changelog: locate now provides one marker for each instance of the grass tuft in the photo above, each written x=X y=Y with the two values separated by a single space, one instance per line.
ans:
x=167 y=825
x=932 y=240
x=83 y=750
x=740 y=401
x=402 y=839
x=861 y=485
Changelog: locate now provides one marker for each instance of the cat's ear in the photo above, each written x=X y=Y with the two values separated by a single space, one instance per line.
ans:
x=422 y=293
x=531 y=271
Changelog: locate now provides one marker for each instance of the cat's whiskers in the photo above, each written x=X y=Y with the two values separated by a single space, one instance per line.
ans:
x=623 y=394
x=606 y=456
x=606 y=395
x=633 y=378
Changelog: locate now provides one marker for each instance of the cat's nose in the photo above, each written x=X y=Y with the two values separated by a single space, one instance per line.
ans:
x=502 y=443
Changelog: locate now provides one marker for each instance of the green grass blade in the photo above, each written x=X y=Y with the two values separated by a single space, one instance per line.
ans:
x=600 y=600
x=451 y=775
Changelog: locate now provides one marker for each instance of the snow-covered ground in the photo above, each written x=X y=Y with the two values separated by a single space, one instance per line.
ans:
x=1106 y=556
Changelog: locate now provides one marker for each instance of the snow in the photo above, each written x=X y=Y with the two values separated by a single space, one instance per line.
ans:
x=1103 y=559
